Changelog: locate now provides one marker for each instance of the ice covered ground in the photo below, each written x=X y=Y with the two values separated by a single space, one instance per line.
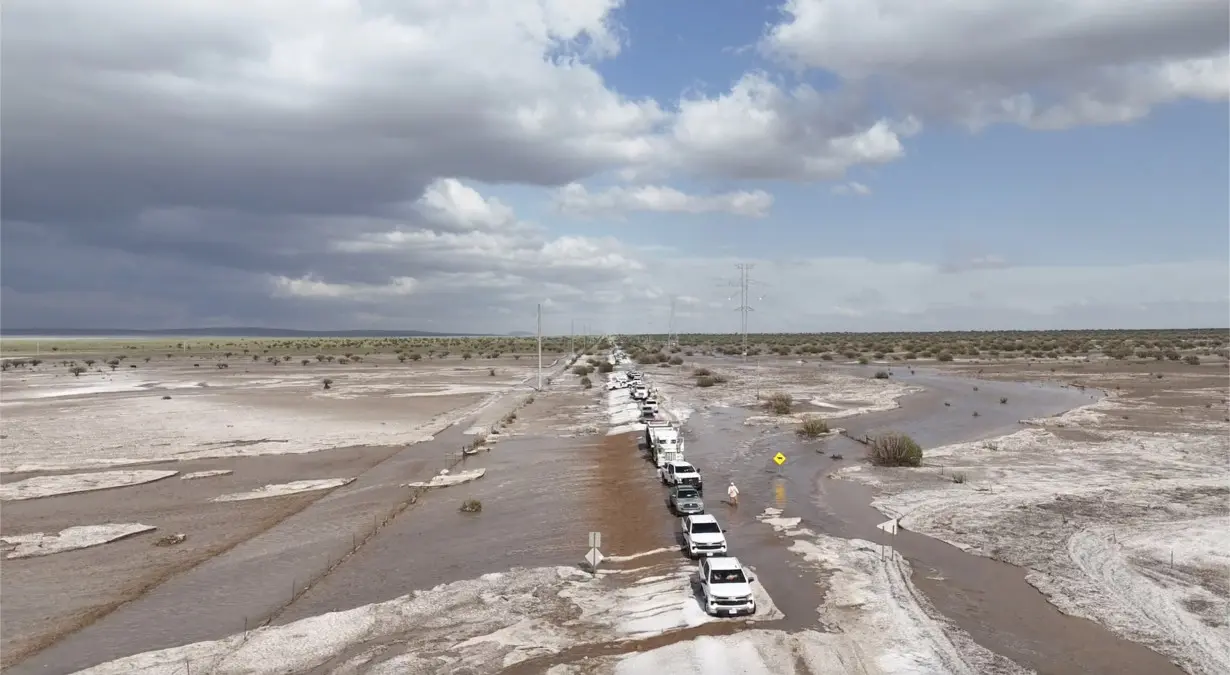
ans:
x=834 y=395
x=283 y=489
x=476 y=626
x=874 y=624
x=623 y=413
x=1093 y=520
x=49 y=486
x=130 y=430
x=446 y=479
x=70 y=539
x=213 y=473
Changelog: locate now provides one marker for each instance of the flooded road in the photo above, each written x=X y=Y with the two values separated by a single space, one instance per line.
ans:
x=988 y=599
x=541 y=497
x=242 y=586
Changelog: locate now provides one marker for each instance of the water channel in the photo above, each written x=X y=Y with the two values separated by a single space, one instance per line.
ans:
x=988 y=599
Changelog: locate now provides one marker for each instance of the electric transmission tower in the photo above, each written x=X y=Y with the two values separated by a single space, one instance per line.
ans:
x=672 y=337
x=744 y=284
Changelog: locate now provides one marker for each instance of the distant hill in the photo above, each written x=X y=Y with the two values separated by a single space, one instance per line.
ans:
x=225 y=331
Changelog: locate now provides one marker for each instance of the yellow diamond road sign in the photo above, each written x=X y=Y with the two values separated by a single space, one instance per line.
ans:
x=779 y=458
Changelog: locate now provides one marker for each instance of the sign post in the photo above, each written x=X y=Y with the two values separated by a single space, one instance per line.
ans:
x=594 y=556
x=889 y=526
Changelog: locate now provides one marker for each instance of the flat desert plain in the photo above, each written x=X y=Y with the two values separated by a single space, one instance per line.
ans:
x=1068 y=513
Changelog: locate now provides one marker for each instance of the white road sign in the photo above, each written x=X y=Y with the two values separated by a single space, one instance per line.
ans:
x=889 y=526
x=594 y=558
x=595 y=540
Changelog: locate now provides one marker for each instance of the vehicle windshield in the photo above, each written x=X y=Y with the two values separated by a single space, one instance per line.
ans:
x=684 y=468
x=687 y=494
x=727 y=577
x=706 y=528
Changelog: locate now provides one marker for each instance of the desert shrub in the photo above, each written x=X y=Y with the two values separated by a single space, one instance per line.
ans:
x=76 y=371
x=581 y=370
x=779 y=402
x=959 y=477
x=705 y=381
x=943 y=357
x=701 y=372
x=305 y=362
x=586 y=382
x=471 y=506
x=467 y=356
x=1191 y=360
x=881 y=375
x=862 y=361
x=605 y=367
x=895 y=450
x=327 y=382
x=676 y=361
x=813 y=427
x=826 y=356
x=1003 y=400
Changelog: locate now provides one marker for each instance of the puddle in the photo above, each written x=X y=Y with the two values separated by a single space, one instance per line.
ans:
x=988 y=599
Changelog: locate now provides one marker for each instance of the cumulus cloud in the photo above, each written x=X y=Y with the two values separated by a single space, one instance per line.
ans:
x=575 y=199
x=324 y=163
x=1048 y=64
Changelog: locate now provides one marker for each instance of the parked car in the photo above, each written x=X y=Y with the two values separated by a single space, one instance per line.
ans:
x=685 y=500
x=726 y=587
x=702 y=536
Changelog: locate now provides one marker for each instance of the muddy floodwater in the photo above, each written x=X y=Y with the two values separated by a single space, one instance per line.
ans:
x=988 y=599
x=542 y=494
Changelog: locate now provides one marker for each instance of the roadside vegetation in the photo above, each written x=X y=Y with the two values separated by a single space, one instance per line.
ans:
x=779 y=402
x=894 y=449
x=78 y=357
x=1192 y=347
x=813 y=427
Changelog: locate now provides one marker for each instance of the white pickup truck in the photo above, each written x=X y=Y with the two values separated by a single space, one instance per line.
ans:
x=702 y=536
x=726 y=586
x=679 y=472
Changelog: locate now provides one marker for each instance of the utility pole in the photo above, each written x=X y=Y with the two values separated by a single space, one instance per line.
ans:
x=540 y=346
x=572 y=336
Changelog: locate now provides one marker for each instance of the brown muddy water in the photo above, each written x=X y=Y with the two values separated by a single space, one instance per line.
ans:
x=541 y=496
x=988 y=599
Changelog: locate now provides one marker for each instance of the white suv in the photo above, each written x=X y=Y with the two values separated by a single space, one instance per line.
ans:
x=702 y=536
x=726 y=586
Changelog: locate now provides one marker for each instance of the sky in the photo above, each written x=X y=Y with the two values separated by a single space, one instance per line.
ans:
x=452 y=165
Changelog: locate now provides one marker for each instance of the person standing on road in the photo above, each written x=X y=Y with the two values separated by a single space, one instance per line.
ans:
x=733 y=493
